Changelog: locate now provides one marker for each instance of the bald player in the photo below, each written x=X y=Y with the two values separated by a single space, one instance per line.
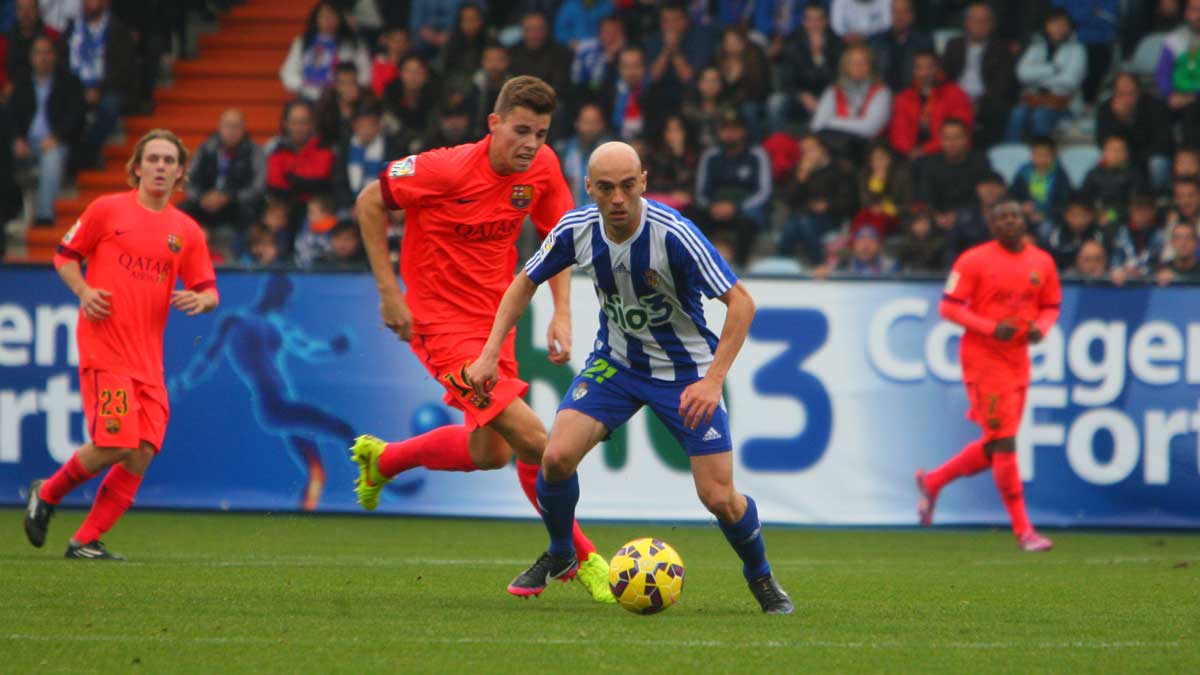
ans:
x=649 y=266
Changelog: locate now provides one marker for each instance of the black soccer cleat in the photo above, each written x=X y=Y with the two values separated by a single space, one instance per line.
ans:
x=771 y=596
x=37 y=515
x=94 y=550
x=534 y=580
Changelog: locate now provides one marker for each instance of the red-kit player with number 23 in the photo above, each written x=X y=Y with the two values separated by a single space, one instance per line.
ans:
x=1006 y=294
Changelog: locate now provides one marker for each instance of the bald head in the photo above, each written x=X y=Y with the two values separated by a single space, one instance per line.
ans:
x=616 y=182
x=614 y=156
x=232 y=127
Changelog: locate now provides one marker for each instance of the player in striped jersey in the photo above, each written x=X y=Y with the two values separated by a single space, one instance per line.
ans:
x=650 y=267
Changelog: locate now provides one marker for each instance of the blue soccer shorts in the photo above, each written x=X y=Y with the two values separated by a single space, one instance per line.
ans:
x=610 y=393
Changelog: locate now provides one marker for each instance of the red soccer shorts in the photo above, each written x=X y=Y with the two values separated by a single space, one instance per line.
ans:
x=121 y=411
x=997 y=409
x=446 y=357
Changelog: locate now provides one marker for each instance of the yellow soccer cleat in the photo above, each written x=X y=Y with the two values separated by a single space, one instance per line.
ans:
x=593 y=574
x=365 y=454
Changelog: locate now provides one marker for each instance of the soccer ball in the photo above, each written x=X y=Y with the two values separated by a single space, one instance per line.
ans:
x=646 y=576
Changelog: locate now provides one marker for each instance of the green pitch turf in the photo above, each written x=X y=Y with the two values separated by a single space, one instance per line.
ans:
x=255 y=593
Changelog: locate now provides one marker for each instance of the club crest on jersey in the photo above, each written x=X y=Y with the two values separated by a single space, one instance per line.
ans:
x=403 y=167
x=580 y=391
x=174 y=243
x=112 y=425
x=1035 y=278
x=651 y=278
x=522 y=196
x=70 y=233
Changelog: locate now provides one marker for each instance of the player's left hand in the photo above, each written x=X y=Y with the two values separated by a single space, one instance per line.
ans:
x=191 y=302
x=698 y=402
x=558 y=336
x=482 y=374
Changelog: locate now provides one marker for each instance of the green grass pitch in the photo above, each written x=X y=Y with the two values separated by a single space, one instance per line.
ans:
x=261 y=593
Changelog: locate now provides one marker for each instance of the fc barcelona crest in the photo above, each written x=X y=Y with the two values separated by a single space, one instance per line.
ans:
x=651 y=278
x=174 y=243
x=522 y=196
x=1035 y=278
x=112 y=425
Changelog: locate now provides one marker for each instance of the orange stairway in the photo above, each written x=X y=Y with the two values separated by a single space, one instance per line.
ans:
x=238 y=67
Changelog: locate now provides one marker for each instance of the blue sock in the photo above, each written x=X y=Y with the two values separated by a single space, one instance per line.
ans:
x=745 y=536
x=557 y=501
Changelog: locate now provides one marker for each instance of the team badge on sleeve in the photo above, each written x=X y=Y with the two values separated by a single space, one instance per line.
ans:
x=403 y=167
x=70 y=233
x=952 y=281
x=548 y=245
x=174 y=243
x=522 y=196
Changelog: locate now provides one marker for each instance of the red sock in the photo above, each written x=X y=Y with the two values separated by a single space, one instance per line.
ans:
x=68 y=477
x=443 y=449
x=968 y=462
x=527 y=475
x=112 y=501
x=1008 y=481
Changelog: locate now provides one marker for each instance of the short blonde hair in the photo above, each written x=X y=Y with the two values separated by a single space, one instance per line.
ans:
x=135 y=161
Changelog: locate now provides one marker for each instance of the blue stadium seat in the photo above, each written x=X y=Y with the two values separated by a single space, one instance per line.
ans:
x=1077 y=160
x=1007 y=158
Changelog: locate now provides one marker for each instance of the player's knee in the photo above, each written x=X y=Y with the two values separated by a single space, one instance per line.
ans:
x=720 y=500
x=557 y=466
x=495 y=457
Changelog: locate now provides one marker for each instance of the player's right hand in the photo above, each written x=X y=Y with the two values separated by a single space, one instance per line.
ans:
x=94 y=302
x=396 y=316
x=1005 y=330
x=481 y=375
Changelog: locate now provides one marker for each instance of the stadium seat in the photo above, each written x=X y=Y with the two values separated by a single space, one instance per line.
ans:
x=1007 y=158
x=1077 y=160
x=1144 y=61
x=776 y=265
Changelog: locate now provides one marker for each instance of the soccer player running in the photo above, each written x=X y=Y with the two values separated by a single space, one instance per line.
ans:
x=464 y=207
x=1006 y=294
x=649 y=266
x=135 y=245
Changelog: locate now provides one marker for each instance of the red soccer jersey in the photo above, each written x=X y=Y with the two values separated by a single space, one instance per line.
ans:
x=462 y=220
x=991 y=283
x=136 y=254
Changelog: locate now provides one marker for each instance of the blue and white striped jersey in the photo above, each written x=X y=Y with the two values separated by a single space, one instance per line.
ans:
x=649 y=287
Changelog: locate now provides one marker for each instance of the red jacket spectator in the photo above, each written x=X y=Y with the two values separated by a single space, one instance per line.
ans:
x=299 y=173
x=906 y=132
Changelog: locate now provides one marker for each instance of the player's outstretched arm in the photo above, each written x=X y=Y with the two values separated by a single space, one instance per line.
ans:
x=558 y=335
x=700 y=399
x=481 y=374
x=371 y=213
x=93 y=301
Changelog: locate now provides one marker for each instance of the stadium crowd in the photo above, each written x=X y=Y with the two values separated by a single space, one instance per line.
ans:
x=855 y=137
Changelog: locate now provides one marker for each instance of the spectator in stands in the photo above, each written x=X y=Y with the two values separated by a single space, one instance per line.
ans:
x=857 y=20
x=1110 y=183
x=27 y=27
x=1143 y=121
x=594 y=68
x=1051 y=72
x=579 y=20
x=885 y=180
x=335 y=108
x=969 y=224
x=704 y=105
x=866 y=257
x=946 y=181
x=627 y=101
x=671 y=166
x=1138 y=244
x=47 y=110
x=574 y=152
x=918 y=112
x=361 y=157
x=540 y=55
x=345 y=249
x=298 y=164
x=1079 y=225
x=101 y=53
x=1186 y=163
x=492 y=74
x=1091 y=262
x=820 y=197
x=734 y=185
x=262 y=249
x=808 y=66
x=679 y=50
x=984 y=65
x=430 y=23
x=896 y=48
x=1041 y=185
x=463 y=52
x=410 y=97
x=1096 y=27
x=745 y=75
x=1185 y=202
x=386 y=66
x=854 y=109
x=922 y=247
x=1178 y=73
x=274 y=221
x=312 y=241
x=227 y=177
x=327 y=41
x=1184 y=266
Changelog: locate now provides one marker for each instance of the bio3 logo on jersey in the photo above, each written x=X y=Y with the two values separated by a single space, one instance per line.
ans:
x=653 y=310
